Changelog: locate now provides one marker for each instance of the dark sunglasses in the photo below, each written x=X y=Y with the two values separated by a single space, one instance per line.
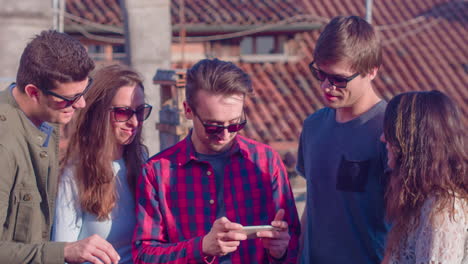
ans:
x=123 y=114
x=337 y=81
x=66 y=102
x=216 y=129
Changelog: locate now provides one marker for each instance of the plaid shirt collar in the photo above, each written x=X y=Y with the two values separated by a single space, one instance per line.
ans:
x=190 y=155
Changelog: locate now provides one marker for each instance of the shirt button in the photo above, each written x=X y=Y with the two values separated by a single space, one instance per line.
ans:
x=208 y=173
x=27 y=197
x=211 y=201
x=44 y=234
x=2 y=118
x=43 y=154
x=39 y=138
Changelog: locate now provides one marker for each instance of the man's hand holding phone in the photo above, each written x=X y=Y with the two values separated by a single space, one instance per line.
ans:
x=223 y=238
x=276 y=241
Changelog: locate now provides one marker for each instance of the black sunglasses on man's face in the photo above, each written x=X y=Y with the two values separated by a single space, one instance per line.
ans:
x=213 y=129
x=66 y=102
x=335 y=80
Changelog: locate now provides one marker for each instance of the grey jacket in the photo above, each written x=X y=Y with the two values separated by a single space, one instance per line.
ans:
x=28 y=186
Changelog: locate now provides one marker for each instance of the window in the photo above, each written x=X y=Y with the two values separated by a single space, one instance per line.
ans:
x=262 y=45
x=246 y=45
x=95 y=49
x=107 y=52
x=265 y=45
x=118 y=48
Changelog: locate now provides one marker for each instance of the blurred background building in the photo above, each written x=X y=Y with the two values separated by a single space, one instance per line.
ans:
x=424 y=48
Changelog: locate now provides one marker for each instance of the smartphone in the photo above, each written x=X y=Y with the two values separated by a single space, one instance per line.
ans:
x=251 y=231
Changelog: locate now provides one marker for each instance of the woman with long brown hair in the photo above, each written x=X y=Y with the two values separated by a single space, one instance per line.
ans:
x=105 y=153
x=427 y=193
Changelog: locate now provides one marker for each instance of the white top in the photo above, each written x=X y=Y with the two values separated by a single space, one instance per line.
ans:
x=72 y=224
x=442 y=240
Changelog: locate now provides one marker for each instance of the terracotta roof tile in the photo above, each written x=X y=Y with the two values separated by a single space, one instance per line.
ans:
x=106 y=12
x=424 y=49
x=246 y=12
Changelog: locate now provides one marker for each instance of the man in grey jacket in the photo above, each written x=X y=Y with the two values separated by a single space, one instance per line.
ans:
x=51 y=81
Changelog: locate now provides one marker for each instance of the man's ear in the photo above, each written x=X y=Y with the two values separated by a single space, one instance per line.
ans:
x=32 y=92
x=188 y=111
x=373 y=73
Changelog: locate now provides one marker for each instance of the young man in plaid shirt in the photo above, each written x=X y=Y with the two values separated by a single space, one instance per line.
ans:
x=194 y=198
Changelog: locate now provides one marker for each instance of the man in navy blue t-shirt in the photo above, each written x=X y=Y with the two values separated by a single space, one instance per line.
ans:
x=340 y=154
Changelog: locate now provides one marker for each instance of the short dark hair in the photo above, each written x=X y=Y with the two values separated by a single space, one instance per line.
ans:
x=53 y=57
x=352 y=39
x=217 y=77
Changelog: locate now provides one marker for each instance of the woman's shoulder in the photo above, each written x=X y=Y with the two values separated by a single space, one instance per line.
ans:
x=454 y=211
x=441 y=233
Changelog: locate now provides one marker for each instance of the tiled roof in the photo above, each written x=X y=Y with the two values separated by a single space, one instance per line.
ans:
x=424 y=49
x=238 y=12
x=107 y=12
x=197 y=12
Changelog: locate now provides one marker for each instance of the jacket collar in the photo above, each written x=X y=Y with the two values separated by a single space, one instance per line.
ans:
x=35 y=134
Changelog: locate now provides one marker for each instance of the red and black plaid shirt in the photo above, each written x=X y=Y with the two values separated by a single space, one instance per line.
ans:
x=176 y=202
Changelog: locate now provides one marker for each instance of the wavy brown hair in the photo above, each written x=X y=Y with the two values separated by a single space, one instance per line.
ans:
x=427 y=136
x=92 y=143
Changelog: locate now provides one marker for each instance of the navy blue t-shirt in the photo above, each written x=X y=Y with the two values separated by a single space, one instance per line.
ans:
x=218 y=162
x=344 y=165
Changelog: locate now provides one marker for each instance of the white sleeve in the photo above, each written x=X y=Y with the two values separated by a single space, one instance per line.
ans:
x=68 y=215
x=443 y=240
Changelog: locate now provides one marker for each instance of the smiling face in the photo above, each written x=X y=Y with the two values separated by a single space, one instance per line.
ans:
x=125 y=132
x=218 y=110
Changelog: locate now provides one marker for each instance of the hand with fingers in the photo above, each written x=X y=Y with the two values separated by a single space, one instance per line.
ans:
x=223 y=238
x=93 y=249
x=276 y=241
